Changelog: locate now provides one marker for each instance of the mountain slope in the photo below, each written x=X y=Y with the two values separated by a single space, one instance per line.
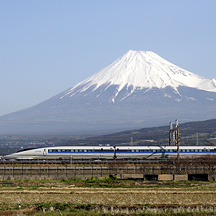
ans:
x=191 y=133
x=140 y=89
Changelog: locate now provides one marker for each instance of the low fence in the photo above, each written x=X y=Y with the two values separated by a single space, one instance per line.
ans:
x=126 y=172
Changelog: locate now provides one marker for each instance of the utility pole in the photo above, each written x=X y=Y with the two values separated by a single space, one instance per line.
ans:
x=197 y=139
x=176 y=136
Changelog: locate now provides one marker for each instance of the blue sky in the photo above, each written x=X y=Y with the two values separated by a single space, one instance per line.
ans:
x=47 y=46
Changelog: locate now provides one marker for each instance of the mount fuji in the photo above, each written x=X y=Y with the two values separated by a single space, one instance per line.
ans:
x=139 y=89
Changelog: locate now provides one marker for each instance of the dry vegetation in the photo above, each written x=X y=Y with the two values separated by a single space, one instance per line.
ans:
x=76 y=197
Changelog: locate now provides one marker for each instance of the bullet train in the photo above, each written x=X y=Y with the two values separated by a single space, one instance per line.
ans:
x=109 y=152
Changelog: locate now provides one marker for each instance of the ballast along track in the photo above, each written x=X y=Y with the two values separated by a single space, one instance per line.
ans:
x=67 y=162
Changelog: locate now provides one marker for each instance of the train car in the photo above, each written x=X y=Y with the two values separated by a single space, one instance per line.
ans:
x=109 y=152
x=163 y=151
x=63 y=152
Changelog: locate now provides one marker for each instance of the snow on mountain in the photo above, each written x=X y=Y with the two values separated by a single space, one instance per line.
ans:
x=139 y=89
x=142 y=70
x=214 y=81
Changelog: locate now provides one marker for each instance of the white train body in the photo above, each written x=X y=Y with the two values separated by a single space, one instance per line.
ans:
x=109 y=152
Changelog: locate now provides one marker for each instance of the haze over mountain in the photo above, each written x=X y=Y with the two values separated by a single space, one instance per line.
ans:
x=139 y=89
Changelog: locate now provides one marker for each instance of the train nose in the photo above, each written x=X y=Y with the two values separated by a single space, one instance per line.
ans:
x=7 y=157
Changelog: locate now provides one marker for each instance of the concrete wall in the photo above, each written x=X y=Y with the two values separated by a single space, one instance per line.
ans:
x=181 y=177
x=165 y=177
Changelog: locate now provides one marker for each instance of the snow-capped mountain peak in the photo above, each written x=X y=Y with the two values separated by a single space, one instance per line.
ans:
x=142 y=69
x=139 y=89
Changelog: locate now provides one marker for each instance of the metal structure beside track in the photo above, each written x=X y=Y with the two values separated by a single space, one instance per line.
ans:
x=142 y=169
